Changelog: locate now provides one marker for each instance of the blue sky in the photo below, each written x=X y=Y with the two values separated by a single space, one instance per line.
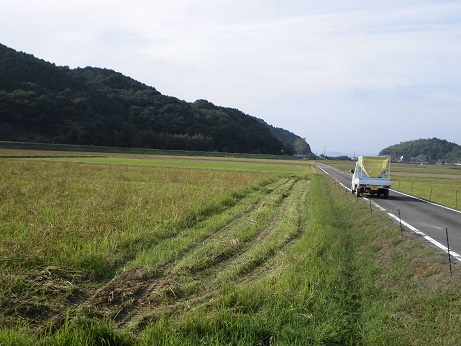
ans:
x=350 y=76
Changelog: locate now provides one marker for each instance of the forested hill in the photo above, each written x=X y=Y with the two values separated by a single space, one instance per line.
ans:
x=42 y=102
x=425 y=150
x=300 y=146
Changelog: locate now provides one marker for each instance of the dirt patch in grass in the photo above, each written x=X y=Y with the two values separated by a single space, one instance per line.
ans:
x=38 y=297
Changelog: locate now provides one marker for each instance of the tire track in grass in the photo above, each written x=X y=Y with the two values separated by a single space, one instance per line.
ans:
x=120 y=297
x=131 y=296
x=265 y=205
x=279 y=232
x=135 y=282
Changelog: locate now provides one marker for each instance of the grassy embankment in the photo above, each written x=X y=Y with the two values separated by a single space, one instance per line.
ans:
x=436 y=183
x=213 y=252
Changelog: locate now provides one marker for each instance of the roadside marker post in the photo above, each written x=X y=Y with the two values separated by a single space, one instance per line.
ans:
x=448 y=250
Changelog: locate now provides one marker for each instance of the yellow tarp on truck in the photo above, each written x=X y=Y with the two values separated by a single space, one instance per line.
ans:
x=372 y=175
x=373 y=166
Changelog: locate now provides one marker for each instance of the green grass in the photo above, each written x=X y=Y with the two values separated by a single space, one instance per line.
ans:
x=125 y=251
x=441 y=190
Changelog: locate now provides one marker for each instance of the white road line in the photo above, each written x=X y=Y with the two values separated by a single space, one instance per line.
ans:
x=431 y=240
x=410 y=227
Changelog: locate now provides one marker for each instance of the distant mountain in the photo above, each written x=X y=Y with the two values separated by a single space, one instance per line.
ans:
x=424 y=150
x=42 y=102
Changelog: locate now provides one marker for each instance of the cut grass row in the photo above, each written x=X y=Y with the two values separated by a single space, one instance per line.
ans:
x=230 y=254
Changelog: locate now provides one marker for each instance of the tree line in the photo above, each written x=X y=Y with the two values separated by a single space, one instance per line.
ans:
x=41 y=102
x=431 y=150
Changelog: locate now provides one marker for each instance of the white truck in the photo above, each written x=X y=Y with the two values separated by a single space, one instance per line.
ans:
x=372 y=175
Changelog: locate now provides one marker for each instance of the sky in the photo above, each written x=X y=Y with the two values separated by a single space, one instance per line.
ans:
x=352 y=77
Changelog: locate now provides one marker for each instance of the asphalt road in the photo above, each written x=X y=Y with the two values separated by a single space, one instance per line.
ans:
x=428 y=219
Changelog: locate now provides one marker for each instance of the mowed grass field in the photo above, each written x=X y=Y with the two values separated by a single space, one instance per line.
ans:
x=436 y=183
x=115 y=249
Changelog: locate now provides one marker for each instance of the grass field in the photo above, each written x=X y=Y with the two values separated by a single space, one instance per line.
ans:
x=118 y=249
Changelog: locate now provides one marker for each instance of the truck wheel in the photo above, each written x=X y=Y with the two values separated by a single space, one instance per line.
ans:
x=358 y=192
x=386 y=194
